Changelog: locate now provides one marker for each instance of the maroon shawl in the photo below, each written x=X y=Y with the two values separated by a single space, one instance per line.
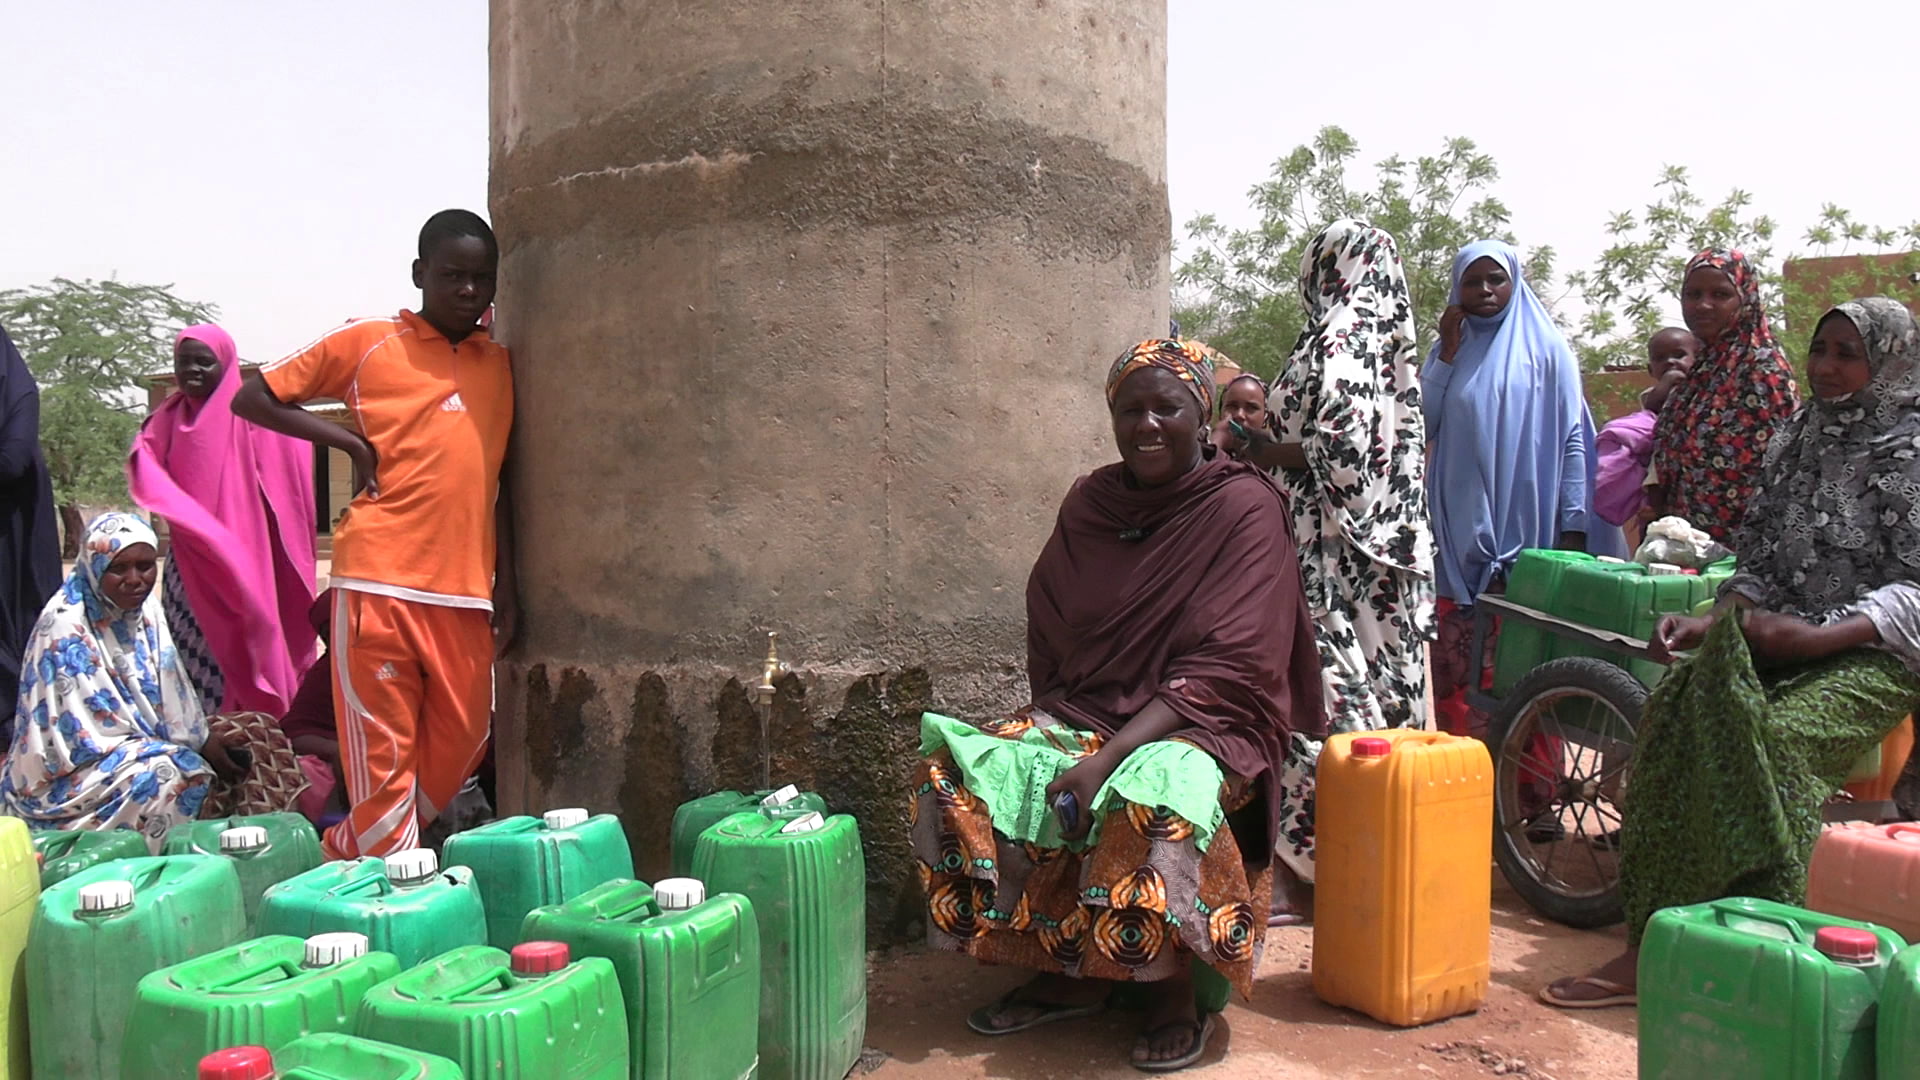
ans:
x=1203 y=611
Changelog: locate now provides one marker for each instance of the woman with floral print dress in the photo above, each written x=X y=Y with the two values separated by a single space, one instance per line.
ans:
x=1713 y=432
x=1119 y=827
x=109 y=733
x=1811 y=657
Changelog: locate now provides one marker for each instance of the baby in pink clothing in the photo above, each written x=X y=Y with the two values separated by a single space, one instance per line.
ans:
x=1625 y=446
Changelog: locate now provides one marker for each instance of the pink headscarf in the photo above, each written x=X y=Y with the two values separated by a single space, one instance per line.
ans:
x=238 y=500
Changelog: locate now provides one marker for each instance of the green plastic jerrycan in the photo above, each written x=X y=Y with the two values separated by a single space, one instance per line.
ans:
x=266 y=850
x=19 y=893
x=807 y=879
x=1761 y=991
x=699 y=815
x=689 y=969
x=327 y=1057
x=1533 y=582
x=265 y=992
x=522 y=863
x=1897 y=1029
x=533 y=1015
x=96 y=934
x=404 y=904
x=69 y=851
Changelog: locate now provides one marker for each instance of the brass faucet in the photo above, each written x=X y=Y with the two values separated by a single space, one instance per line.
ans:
x=771 y=669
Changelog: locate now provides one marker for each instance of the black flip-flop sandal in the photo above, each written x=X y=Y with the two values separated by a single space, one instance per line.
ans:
x=1202 y=1031
x=980 y=1019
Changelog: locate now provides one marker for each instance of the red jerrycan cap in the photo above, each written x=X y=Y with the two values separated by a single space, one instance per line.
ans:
x=1845 y=943
x=540 y=957
x=1371 y=747
x=237 y=1063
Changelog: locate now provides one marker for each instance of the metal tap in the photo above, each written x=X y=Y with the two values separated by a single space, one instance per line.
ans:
x=772 y=668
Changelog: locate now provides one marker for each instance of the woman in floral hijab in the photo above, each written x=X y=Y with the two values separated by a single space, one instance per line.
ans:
x=1713 y=433
x=1812 y=656
x=108 y=733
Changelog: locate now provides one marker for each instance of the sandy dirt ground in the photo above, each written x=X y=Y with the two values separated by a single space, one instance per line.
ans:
x=918 y=1002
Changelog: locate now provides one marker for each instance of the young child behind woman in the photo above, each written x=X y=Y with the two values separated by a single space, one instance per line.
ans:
x=1625 y=446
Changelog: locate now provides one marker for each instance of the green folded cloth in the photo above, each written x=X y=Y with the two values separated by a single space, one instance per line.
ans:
x=1011 y=777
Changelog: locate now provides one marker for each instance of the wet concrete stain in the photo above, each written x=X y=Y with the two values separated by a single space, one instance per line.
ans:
x=676 y=160
x=556 y=727
x=654 y=780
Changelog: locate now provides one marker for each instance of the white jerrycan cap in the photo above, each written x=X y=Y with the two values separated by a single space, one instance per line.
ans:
x=782 y=797
x=104 y=896
x=567 y=818
x=811 y=822
x=326 y=950
x=412 y=866
x=242 y=839
x=679 y=893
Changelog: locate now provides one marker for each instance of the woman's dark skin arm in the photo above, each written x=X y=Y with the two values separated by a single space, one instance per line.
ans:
x=1266 y=451
x=1774 y=639
x=1151 y=724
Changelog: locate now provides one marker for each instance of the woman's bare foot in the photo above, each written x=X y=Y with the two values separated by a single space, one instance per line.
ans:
x=1615 y=982
x=1042 y=995
x=1292 y=898
x=1172 y=1024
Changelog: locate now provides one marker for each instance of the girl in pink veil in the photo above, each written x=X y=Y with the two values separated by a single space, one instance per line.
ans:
x=239 y=504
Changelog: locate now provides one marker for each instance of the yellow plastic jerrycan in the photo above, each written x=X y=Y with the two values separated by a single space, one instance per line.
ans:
x=1403 y=886
x=19 y=893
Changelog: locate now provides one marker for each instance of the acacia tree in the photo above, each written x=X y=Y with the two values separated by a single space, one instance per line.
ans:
x=1239 y=288
x=88 y=343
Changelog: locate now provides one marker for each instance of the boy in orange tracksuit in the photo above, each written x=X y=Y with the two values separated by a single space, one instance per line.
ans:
x=421 y=559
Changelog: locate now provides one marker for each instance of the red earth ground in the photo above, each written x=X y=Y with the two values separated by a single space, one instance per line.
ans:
x=918 y=1002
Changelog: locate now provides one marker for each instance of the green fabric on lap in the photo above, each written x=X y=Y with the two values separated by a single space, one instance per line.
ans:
x=1011 y=777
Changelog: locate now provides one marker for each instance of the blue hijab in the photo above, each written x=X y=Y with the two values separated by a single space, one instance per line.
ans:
x=1513 y=443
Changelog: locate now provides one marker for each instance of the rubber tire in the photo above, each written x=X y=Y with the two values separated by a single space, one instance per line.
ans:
x=1620 y=690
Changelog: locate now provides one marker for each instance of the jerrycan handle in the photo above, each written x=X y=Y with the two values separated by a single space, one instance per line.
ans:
x=260 y=967
x=638 y=900
x=1725 y=911
x=499 y=976
x=1903 y=831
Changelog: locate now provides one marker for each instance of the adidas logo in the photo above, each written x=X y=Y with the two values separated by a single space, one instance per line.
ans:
x=453 y=404
x=386 y=672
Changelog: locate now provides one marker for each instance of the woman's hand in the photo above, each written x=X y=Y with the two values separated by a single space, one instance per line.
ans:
x=1084 y=781
x=1677 y=634
x=228 y=764
x=1452 y=328
x=1226 y=440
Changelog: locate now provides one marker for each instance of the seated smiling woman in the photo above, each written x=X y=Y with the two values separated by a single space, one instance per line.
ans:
x=109 y=733
x=1807 y=663
x=1121 y=825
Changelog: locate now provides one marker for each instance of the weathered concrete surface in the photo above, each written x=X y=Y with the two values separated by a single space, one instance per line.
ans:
x=810 y=301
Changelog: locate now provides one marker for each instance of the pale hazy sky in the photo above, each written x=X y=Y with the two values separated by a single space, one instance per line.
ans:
x=278 y=158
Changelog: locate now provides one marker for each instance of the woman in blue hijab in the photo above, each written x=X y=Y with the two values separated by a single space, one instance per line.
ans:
x=1512 y=445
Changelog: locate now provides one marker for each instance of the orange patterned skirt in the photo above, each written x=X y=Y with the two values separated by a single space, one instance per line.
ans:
x=1141 y=905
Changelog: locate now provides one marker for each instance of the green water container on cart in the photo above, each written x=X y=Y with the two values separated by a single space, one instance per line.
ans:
x=698 y=815
x=534 y=1014
x=1626 y=599
x=98 y=933
x=266 y=850
x=1760 y=991
x=327 y=1057
x=404 y=904
x=1533 y=581
x=265 y=992
x=807 y=880
x=689 y=970
x=69 y=851
x=1897 y=1029
x=522 y=863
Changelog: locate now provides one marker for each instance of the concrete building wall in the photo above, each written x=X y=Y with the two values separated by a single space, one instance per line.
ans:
x=810 y=303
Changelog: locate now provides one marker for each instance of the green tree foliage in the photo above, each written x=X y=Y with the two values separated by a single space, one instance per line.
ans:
x=1239 y=289
x=88 y=343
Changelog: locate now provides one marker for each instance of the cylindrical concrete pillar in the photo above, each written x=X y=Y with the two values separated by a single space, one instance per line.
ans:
x=810 y=302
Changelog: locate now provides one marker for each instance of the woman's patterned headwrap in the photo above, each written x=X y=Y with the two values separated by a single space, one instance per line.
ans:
x=1183 y=358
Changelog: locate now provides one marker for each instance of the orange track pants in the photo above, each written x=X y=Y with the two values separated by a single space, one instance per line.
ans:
x=412 y=694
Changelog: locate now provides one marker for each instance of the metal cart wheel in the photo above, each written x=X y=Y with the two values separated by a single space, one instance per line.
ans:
x=1562 y=743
